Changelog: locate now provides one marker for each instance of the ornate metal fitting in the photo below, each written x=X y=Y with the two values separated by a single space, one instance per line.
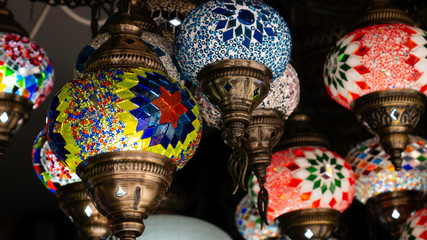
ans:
x=381 y=12
x=78 y=207
x=14 y=112
x=392 y=209
x=236 y=86
x=391 y=114
x=300 y=133
x=8 y=24
x=124 y=48
x=126 y=187
x=320 y=223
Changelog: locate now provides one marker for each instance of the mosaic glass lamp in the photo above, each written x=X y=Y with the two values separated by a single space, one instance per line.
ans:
x=150 y=35
x=26 y=76
x=379 y=71
x=416 y=226
x=249 y=223
x=233 y=50
x=67 y=187
x=304 y=180
x=390 y=195
x=126 y=119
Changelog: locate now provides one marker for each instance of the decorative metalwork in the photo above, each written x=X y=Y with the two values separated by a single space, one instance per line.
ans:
x=391 y=114
x=133 y=189
x=77 y=3
x=78 y=207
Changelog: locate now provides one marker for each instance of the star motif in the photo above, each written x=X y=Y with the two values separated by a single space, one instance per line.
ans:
x=170 y=106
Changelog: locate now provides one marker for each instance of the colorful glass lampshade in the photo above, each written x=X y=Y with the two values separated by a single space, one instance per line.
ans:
x=391 y=196
x=126 y=119
x=150 y=35
x=26 y=76
x=67 y=187
x=234 y=49
x=248 y=222
x=379 y=71
x=416 y=226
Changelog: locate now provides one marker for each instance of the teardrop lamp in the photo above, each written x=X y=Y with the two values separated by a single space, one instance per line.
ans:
x=126 y=127
x=248 y=222
x=232 y=50
x=150 y=35
x=26 y=76
x=308 y=184
x=379 y=72
x=390 y=195
x=416 y=226
x=68 y=188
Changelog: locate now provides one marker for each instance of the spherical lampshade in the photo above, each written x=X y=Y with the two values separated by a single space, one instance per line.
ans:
x=376 y=174
x=416 y=226
x=248 y=222
x=26 y=69
x=50 y=171
x=223 y=29
x=123 y=109
x=375 y=58
x=175 y=227
x=284 y=96
x=304 y=178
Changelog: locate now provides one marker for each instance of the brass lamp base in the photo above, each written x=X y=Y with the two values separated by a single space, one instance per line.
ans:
x=14 y=112
x=236 y=86
x=392 y=209
x=126 y=187
x=391 y=114
x=316 y=223
x=77 y=205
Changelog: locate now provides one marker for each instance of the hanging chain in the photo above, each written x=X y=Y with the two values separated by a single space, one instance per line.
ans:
x=262 y=201
x=95 y=15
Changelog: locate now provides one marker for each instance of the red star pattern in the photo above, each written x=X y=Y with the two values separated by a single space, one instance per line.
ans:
x=171 y=107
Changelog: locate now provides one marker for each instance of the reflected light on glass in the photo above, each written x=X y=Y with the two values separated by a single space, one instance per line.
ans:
x=120 y=192
x=395 y=214
x=88 y=211
x=4 y=117
x=308 y=234
x=175 y=22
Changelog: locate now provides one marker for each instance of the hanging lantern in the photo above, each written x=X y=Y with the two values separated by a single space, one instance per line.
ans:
x=248 y=222
x=67 y=187
x=308 y=185
x=378 y=71
x=416 y=226
x=234 y=49
x=26 y=76
x=126 y=119
x=150 y=35
x=390 y=195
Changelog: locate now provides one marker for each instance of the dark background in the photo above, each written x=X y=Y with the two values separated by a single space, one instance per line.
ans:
x=29 y=211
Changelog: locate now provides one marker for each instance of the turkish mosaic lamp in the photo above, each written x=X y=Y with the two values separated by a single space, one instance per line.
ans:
x=125 y=119
x=249 y=223
x=379 y=71
x=416 y=226
x=151 y=35
x=232 y=50
x=304 y=180
x=26 y=76
x=390 y=195
x=67 y=187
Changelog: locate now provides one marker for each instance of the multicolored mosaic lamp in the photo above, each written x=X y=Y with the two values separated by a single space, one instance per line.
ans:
x=26 y=76
x=68 y=188
x=309 y=186
x=416 y=226
x=150 y=35
x=125 y=126
x=249 y=223
x=379 y=71
x=391 y=196
x=233 y=50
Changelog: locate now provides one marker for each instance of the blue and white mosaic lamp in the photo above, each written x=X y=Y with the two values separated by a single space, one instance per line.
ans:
x=232 y=50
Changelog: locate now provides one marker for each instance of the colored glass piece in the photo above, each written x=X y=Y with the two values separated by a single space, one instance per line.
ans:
x=102 y=112
x=416 y=226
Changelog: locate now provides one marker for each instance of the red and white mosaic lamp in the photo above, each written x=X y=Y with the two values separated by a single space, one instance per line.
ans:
x=416 y=226
x=379 y=71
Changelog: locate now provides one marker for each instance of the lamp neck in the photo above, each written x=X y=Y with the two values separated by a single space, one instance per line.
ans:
x=8 y=23
x=383 y=12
